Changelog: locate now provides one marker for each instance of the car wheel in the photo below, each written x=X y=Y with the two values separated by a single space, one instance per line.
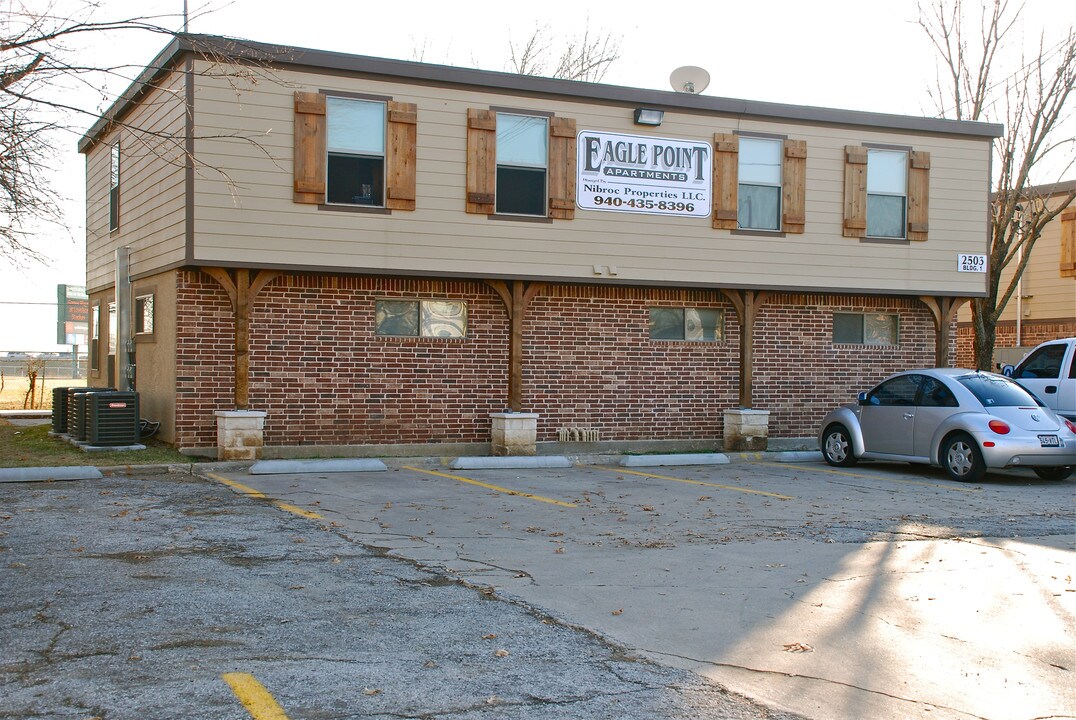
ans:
x=1054 y=473
x=962 y=459
x=837 y=447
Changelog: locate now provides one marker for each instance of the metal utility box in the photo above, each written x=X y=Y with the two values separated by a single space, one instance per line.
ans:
x=76 y=410
x=59 y=409
x=112 y=418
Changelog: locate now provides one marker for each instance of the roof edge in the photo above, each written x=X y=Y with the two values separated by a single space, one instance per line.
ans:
x=240 y=49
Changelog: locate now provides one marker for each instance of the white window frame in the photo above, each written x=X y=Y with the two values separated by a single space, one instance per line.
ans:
x=383 y=155
x=114 y=186
x=779 y=185
x=544 y=167
x=903 y=195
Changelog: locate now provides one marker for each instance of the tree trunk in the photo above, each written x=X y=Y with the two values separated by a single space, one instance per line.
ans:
x=985 y=328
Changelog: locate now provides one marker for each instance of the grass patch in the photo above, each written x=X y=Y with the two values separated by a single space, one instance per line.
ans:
x=31 y=446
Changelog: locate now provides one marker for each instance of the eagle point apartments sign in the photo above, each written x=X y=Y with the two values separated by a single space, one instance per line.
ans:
x=643 y=174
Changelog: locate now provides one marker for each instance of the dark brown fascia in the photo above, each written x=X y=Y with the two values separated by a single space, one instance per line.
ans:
x=426 y=73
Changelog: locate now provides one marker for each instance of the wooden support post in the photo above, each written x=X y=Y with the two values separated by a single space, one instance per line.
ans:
x=516 y=299
x=242 y=292
x=942 y=310
x=747 y=303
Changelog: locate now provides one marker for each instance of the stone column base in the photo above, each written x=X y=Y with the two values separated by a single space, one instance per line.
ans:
x=515 y=433
x=746 y=429
x=240 y=434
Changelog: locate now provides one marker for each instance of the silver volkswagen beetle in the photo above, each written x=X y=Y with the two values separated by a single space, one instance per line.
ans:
x=962 y=420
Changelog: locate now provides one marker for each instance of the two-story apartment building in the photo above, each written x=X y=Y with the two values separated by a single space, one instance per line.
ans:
x=382 y=252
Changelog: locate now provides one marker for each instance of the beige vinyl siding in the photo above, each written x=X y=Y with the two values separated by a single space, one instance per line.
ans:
x=152 y=188
x=252 y=219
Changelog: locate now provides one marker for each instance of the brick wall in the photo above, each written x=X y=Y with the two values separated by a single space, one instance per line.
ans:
x=589 y=362
x=800 y=374
x=1031 y=334
x=324 y=377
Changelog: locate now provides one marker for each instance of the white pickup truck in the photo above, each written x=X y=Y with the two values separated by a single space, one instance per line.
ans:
x=1049 y=371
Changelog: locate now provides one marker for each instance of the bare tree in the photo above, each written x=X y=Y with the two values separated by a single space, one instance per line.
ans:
x=1032 y=101
x=586 y=56
x=47 y=91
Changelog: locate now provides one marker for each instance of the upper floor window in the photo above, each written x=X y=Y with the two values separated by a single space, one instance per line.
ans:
x=887 y=188
x=522 y=161
x=759 y=191
x=114 y=186
x=356 y=152
x=886 y=193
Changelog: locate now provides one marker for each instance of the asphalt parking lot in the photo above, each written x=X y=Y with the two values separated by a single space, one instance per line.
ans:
x=882 y=591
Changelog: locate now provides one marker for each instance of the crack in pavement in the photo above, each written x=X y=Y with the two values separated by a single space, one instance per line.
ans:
x=830 y=681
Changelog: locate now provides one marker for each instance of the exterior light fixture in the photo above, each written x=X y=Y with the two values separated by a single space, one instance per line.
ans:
x=648 y=116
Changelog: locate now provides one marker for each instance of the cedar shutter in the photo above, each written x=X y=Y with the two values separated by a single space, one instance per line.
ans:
x=855 y=191
x=726 y=170
x=918 y=194
x=794 y=187
x=562 y=168
x=481 y=160
x=400 y=155
x=1068 y=243
x=310 y=148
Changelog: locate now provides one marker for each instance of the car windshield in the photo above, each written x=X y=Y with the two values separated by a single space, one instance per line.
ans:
x=996 y=391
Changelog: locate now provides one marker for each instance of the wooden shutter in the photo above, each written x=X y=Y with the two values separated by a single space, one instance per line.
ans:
x=1068 y=243
x=918 y=194
x=726 y=171
x=562 y=168
x=794 y=187
x=309 y=152
x=855 y=191
x=481 y=160
x=400 y=155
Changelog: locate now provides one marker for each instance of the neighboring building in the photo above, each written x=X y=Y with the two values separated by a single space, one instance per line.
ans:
x=1044 y=305
x=384 y=252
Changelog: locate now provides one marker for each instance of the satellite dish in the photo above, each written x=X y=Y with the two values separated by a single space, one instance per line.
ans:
x=689 y=79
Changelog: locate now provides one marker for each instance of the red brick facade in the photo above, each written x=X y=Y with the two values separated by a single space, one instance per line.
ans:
x=324 y=378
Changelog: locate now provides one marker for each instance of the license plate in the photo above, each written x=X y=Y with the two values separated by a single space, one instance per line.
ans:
x=1049 y=441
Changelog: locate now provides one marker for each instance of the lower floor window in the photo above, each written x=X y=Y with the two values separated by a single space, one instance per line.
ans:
x=143 y=315
x=421 y=318
x=691 y=324
x=865 y=329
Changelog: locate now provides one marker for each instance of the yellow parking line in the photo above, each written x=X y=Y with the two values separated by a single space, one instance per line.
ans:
x=700 y=482
x=498 y=488
x=247 y=490
x=255 y=698
x=845 y=473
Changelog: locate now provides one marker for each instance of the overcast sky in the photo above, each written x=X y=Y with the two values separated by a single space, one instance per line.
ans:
x=850 y=54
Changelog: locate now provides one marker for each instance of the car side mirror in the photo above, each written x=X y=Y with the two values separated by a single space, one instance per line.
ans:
x=1008 y=370
x=862 y=397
